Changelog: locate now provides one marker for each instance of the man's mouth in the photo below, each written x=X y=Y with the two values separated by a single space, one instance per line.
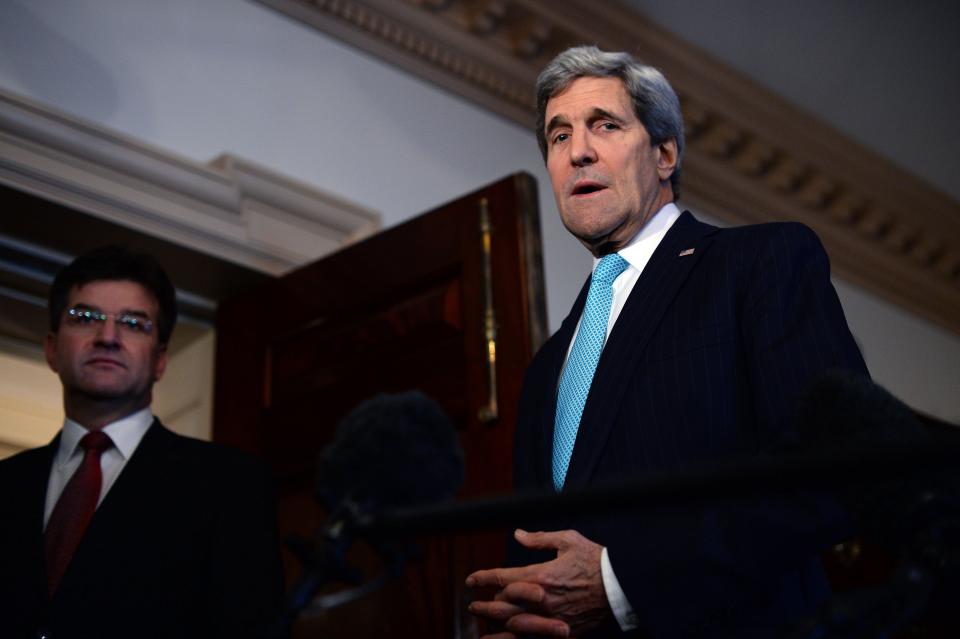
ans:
x=104 y=361
x=587 y=187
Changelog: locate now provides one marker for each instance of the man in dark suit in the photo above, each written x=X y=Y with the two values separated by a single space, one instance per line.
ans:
x=688 y=345
x=119 y=527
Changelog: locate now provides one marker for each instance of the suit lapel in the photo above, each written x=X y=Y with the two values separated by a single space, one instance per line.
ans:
x=653 y=293
x=36 y=487
x=34 y=501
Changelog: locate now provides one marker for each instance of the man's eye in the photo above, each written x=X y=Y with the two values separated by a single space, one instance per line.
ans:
x=609 y=126
x=131 y=322
x=84 y=317
x=560 y=137
x=135 y=324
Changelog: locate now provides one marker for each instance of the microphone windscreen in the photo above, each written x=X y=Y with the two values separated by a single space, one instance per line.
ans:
x=392 y=451
x=844 y=409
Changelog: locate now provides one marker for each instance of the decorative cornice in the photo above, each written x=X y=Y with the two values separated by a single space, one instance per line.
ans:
x=751 y=156
x=230 y=208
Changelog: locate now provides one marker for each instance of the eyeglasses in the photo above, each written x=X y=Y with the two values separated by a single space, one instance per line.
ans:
x=91 y=318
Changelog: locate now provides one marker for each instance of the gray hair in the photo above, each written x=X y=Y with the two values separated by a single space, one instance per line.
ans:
x=654 y=100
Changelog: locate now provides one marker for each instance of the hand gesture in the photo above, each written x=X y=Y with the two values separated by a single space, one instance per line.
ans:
x=563 y=597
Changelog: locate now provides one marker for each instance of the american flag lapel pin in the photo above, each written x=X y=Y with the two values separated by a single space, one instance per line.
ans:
x=685 y=253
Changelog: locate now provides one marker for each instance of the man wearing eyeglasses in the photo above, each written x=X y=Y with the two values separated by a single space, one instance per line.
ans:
x=120 y=527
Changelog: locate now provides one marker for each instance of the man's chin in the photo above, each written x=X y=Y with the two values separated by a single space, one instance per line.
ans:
x=599 y=244
x=107 y=394
x=598 y=234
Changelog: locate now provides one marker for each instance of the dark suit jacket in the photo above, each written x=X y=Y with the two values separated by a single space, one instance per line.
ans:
x=705 y=363
x=183 y=545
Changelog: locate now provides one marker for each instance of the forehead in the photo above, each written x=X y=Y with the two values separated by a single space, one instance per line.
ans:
x=585 y=95
x=114 y=295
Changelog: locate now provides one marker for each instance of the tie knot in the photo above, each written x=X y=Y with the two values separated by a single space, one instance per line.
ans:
x=96 y=442
x=609 y=268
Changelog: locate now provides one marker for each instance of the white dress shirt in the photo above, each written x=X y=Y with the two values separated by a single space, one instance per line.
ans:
x=637 y=253
x=125 y=434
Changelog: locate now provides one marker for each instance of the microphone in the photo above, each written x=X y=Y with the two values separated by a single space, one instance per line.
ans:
x=843 y=408
x=391 y=451
x=914 y=513
x=843 y=411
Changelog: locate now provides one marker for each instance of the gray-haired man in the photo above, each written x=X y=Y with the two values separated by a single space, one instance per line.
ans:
x=689 y=344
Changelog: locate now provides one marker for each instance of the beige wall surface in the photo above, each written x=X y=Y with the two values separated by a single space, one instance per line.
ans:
x=183 y=399
x=31 y=409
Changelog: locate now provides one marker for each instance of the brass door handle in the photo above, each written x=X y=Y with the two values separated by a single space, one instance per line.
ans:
x=489 y=412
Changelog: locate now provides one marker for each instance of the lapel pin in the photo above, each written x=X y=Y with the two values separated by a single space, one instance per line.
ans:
x=685 y=253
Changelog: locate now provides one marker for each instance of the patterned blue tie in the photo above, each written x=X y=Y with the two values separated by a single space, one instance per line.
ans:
x=578 y=373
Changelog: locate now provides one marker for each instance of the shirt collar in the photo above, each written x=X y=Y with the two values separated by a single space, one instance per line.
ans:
x=125 y=434
x=640 y=249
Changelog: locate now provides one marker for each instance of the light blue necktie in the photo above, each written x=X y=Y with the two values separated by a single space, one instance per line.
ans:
x=578 y=373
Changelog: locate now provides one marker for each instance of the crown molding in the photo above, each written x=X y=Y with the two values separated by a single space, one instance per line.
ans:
x=751 y=156
x=230 y=208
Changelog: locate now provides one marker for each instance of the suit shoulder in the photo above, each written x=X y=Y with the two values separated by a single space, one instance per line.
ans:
x=23 y=456
x=774 y=241
x=23 y=460
x=793 y=232
x=24 y=471
x=218 y=461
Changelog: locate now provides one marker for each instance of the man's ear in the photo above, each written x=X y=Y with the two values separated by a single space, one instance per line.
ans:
x=667 y=159
x=50 y=351
x=161 y=364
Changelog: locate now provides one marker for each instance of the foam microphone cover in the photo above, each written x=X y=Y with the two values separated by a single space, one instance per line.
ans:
x=842 y=409
x=845 y=411
x=393 y=450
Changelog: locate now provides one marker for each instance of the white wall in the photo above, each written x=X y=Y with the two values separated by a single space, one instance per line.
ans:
x=199 y=78
x=914 y=359
x=884 y=72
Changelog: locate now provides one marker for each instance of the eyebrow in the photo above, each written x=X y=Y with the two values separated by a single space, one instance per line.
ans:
x=556 y=122
x=596 y=113
x=602 y=114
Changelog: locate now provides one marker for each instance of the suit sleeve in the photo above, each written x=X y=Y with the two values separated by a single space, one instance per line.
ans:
x=793 y=327
x=246 y=578
x=688 y=571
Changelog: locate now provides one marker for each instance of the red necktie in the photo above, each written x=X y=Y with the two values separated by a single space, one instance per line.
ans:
x=74 y=509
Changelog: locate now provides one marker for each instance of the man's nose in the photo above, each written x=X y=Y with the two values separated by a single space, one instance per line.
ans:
x=582 y=150
x=107 y=332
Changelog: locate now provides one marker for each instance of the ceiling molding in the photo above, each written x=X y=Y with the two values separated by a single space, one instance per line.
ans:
x=751 y=156
x=231 y=208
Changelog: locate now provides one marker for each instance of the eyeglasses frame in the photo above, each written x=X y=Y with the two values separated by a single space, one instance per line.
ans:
x=85 y=316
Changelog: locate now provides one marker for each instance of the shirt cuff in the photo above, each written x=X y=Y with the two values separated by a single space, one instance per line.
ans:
x=622 y=610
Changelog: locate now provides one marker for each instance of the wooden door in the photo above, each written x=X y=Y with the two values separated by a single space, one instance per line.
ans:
x=450 y=303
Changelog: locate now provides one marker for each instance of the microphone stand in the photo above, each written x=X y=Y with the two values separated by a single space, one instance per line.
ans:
x=324 y=562
x=872 y=613
x=932 y=555
x=767 y=475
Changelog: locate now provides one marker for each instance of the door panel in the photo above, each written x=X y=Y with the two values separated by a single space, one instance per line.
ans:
x=431 y=305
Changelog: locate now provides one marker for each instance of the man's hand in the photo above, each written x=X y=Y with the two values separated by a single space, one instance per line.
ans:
x=560 y=598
